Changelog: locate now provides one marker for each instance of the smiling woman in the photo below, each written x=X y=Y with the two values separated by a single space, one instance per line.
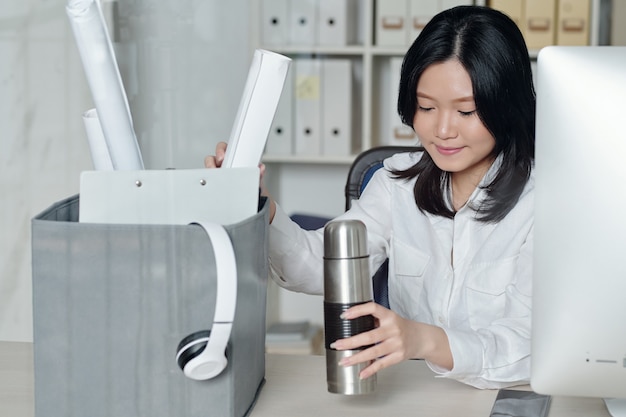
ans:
x=455 y=220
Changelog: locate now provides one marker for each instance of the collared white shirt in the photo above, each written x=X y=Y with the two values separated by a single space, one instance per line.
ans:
x=472 y=279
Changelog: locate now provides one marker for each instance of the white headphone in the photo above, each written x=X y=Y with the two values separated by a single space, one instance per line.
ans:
x=202 y=355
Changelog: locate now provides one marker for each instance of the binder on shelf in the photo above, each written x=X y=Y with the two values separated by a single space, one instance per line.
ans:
x=307 y=106
x=257 y=109
x=303 y=22
x=573 y=18
x=512 y=8
x=275 y=22
x=280 y=138
x=336 y=22
x=336 y=107
x=618 y=23
x=391 y=25
x=420 y=13
x=539 y=23
x=448 y=4
x=398 y=134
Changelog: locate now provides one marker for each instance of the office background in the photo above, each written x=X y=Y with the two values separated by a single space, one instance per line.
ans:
x=193 y=57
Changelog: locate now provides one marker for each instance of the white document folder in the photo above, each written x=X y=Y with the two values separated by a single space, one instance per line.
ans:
x=420 y=13
x=224 y=196
x=280 y=138
x=307 y=106
x=398 y=133
x=275 y=22
x=303 y=22
x=391 y=22
x=336 y=22
x=336 y=107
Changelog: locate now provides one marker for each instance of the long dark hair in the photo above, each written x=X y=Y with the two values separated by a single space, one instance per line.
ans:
x=492 y=50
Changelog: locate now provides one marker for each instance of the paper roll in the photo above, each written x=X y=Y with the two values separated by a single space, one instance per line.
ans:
x=97 y=144
x=105 y=82
x=257 y=108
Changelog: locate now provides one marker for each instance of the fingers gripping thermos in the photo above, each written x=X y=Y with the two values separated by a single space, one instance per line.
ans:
x=347 y=282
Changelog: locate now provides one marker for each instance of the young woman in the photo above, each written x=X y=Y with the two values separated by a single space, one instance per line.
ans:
x=455 y=221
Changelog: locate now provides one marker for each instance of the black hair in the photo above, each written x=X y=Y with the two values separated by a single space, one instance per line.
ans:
x=490 y=47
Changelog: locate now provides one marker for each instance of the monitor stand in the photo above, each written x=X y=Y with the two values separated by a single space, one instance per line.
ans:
x=616 y=406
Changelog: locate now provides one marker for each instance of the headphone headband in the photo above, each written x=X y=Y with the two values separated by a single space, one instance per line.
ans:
x=212 y=360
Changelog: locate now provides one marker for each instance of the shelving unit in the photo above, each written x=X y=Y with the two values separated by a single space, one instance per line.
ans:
x=371 y=64
x=314 y=185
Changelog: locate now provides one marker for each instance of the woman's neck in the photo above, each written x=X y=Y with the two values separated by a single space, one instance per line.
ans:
x=464 y=183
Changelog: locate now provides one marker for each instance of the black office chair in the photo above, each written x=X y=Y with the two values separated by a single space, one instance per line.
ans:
x=361 y=171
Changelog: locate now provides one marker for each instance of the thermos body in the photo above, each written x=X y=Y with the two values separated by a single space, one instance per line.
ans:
x=347 y=282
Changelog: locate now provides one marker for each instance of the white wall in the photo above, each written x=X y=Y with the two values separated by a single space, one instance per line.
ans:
x=42 y=151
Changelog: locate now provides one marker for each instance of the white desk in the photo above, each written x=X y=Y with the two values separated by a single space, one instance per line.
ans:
x=296 y=386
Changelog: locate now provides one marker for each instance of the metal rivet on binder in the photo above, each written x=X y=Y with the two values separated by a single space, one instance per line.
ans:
x=138 y=183
x=202 y=182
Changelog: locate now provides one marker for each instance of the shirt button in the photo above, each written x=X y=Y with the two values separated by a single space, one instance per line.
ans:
x=441 y=320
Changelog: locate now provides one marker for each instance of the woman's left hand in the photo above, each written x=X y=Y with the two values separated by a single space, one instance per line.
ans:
x=394 y=340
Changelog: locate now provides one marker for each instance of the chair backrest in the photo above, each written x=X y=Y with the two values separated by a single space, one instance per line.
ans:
x=364 y=166
x=361 y=171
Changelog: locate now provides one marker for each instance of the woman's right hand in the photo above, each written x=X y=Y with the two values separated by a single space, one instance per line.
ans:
x=215 y=161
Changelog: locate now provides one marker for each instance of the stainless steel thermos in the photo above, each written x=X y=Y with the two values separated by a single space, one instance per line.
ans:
x=347 y=282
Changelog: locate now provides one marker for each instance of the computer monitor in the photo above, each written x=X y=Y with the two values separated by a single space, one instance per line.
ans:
x=579 y=282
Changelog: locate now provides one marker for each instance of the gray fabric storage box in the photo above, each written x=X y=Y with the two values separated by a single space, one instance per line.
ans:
x=112 y=302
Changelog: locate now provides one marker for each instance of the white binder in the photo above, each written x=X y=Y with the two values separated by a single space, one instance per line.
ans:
x=448 y=4
x=336 y=107
x=336 y=22
x=391 y=22
x=275 y=22
x=224 y=196
x=420 y=13
x=303 y=22
x=307 y=106
x=398 y=134
x=280 y=138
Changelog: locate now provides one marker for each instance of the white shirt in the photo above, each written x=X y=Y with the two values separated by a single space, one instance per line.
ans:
x=479 y=293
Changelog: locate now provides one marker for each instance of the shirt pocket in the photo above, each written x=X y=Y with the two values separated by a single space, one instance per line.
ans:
x=409 y=266
x=486 y=291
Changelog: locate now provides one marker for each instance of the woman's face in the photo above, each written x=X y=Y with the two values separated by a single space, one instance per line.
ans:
x=447 y=123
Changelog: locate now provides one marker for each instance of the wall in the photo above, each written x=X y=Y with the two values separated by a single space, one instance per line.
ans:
x=42 y=149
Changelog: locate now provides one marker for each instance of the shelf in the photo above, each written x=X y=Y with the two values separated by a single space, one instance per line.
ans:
x=302 y=159
x=355 y=50
x=390 y=51
x=375 y=71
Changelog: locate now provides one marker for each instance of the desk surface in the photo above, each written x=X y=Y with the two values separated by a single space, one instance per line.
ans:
x=296 y=386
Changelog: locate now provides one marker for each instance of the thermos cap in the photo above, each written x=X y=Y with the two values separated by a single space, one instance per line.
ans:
x=345 y=239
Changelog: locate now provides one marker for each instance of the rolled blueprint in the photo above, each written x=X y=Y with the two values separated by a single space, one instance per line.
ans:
x=105 y=83
x=97 y=144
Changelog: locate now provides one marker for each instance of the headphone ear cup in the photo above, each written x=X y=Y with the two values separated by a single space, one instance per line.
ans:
x=191 y=346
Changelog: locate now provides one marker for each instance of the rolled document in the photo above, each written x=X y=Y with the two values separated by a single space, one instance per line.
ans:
x=105 y=82
x=97 y=144
x=257 y=108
